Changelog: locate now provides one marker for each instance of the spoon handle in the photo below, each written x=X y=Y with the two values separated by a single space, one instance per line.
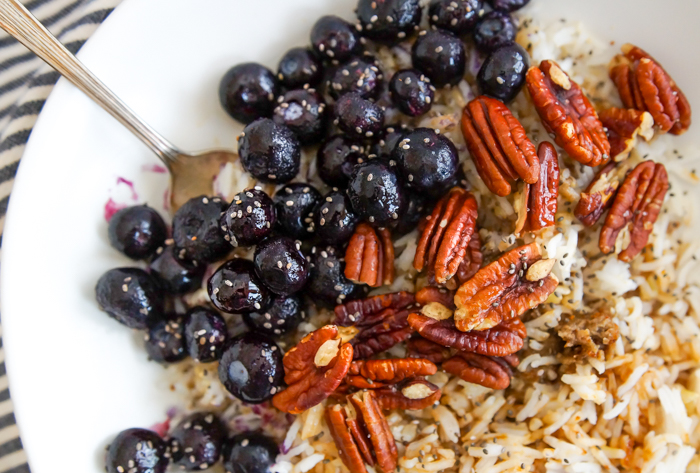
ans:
x=25 y=28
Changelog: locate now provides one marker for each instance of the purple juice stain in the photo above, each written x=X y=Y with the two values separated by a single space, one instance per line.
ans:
x=130 y=184
x=156 y=168
x=111 y=207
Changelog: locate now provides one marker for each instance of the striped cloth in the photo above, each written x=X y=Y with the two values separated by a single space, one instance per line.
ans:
x=25 y=82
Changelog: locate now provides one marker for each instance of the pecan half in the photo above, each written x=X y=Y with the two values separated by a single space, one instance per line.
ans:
x=369 y=258
x=566 y=112
x=436 y=294
x=598 y=196
x=490 y=372
x=377 y=428
x=503 y=290
x=420 y=347
x=414 y=394
x=387 y=371
x=355 y=312
x=446 y=233
x=498 y=145
x=313 y=370
x=538 y=206
x=346 y=440
x=473 y=259
x=624 y=125
x=636 y=208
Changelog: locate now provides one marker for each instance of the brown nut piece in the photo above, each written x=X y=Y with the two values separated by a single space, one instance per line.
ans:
x=355 y=312
x=566 y=112
x=538 y=206
x=350 y=441
x=598 y=196
x=419 y=347
x=503 y=290
x=369 y=258
x=436 y=294
x=635 y=209
x=387 y=371
x=498 y=145
x=313 y=370
x=473 y=259
x=414 y=394
x=377 y=428
x=490 y=372
x=446 y=233
x=624 y=125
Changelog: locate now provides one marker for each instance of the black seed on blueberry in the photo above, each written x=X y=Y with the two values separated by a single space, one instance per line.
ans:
x=235 y=288
x=299 y=67
x=457 y=16
x=358 y=117
x=137 y=231
x=360 y=74
x=165 y=341
x=327 y=284
x=249 y=452
x=411 y=92
x=502 y=75
x=205 y=334
x=131 y=296
x=375 y=193
x=293 y=203
x=334 y=38
x=389 y=21
x=249 y=219
x=334 y=219
x=280 y=265
x=336 y=159
x=441 y=56
x=248 y=92
x=196 y=442
x=196 y=231
x=495 y=29
x=387 y=141
x=303 y=111
x=284 y=315
x=177 y=276
x=137 y=451
x=270 y=152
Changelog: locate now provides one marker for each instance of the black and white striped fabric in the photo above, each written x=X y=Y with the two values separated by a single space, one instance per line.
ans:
x=25 y=83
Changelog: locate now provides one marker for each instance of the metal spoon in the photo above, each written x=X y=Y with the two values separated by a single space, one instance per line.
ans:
x=191 y=175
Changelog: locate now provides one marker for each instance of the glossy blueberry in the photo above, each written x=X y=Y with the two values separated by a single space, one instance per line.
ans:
x=375 y=193
x=389 y=21
x=295 y=203
x=328 y=285
x=390 y=137
x=248 y=92
x=165 y=341
x=177 y=276
x=416 y=206
x=249 y=452
x=336 y=159
x=358 y=117
x=334 y=220
x=196 y=442
x=427 y=161
x=299 y=67
x=196 y=230
x=411 y=92
x=360 y=74
x=137 y=231
x=457 y=16
x=507 y=5
x=137 y=451
x=334 y=38
x=502 y=75
x=304 y=112
x=495 y=29
x=284 y=315
x=234 y=288
x=441 y=56
x=251 y=367
x=280 y=265
x=205 y=334
x=131 y=296
x=270 y=152
x=249 y=219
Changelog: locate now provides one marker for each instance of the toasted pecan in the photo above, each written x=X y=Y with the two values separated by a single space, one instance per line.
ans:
x=369 y=257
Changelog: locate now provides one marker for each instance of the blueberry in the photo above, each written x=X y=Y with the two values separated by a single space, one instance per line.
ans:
x=427 y=161
x=137 y=231
x=251 y=367
x=389 y=21
x=250 y=218
x=328 y=285
x=131 y=296
x=205 y=334
x=294 y=204
x=280 y=265
x=234 y=288
x=336 y=159
x=495 y=29
x=177 y=276
x=299 y=67
x=304 y=112
x=270 y=152
x=508 y=5
x=502 y=74
x=284 y=315
x=196 y=442
x=196 y=230
x=334 y=220
x=411 y=92
x=375 y=193
x=334 y=38
x=360 y=74
x=388 y=140
x=457 y=16
x=165 y=341
x=137 y=451
x=249 y=452
x=416 y=207
x=441 y=56
x=358 y=117
x=248 y=91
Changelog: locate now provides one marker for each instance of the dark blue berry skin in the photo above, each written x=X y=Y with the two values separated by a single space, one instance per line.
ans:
x=460 y=20
x=139 y=306
x=416 y=207
x=196 y=442
x=248 y=92
x=205 y=334
x=196 y=231
x=245 y=293
x=280 y=265
x=441 y=56
x=387 y=141
x=507 y=5
x=411 y=92
x=335 y=39
x=137 y=451
x=502 y=75
x=177 y=276
x=327 y=284
x=304 y=112
x=284 y=315
x=270 y=152
x=295 y=203
x=359 y=74
x=428 y=162
x=336 y=159
x=358 y=117
x=298 y=67
x=389 y=21
x=249 y=452
x=494 y=30
x=334 y=220
x=137 y=231
x=165 y=341
x=251 y=367
x=375 y=193
x=249 y=219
